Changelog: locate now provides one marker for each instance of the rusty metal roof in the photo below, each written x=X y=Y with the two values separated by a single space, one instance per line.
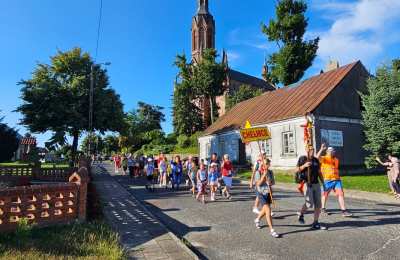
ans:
x=284 y=103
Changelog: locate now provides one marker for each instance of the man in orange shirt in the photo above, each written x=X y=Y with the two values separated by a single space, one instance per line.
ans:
x=330 y=172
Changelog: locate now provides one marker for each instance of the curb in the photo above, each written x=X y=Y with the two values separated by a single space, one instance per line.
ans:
x=353 y=194
x=148 y=212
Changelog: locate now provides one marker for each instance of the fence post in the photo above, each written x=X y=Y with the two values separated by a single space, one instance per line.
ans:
x=81 y=178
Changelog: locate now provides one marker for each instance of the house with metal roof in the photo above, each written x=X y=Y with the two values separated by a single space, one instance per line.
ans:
x=333 y=100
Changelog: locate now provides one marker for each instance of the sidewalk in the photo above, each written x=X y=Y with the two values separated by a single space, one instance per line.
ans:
x=141 y=235
x=353 y=194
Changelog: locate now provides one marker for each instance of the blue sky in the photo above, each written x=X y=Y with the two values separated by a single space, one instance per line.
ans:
x=141 y=38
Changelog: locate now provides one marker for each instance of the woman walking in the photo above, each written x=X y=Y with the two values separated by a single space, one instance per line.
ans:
x=227 y=172
x=202 y=183
x=192 y=176
x=264 y=194
x=176 y=170
x=162 y=168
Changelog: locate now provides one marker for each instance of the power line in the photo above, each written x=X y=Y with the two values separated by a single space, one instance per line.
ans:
x=99 y=27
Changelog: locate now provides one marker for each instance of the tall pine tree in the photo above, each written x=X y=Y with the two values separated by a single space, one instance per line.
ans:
x=295 y=55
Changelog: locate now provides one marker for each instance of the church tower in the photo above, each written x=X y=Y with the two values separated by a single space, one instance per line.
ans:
x=203 y=31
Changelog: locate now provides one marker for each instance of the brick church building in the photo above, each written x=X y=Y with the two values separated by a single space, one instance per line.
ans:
x=203 y=37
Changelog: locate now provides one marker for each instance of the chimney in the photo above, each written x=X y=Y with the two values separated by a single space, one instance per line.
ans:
x=332 y=65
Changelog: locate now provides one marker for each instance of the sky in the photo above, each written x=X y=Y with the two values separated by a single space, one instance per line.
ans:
x=141 y=39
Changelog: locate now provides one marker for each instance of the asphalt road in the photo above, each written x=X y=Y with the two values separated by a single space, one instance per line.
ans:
x=225 y=229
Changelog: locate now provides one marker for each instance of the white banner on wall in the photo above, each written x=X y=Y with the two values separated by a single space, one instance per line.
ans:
x=332 y=137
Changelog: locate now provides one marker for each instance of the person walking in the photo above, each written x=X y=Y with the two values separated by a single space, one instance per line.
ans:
x=162 y=168
x=309 y=165
x=130 y=164
x=330 y=172
x=214 y=159
x=202 y=178
x=176 y=170
x=124 y=164
x=263 y=186
x=117 y=163
x=255 y=176
x=149 y=171
x=227 y=173
x=213 y=180
x=393 y=173
x=192 y=176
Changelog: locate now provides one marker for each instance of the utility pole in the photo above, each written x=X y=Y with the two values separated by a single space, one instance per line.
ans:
x=91 y=110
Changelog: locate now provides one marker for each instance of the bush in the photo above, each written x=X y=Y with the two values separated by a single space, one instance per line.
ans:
x=183 y=141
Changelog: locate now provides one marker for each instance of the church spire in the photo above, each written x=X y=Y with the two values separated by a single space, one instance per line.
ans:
x=203 y=7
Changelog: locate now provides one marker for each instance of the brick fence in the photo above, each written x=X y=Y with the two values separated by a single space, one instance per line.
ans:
x=47 y=197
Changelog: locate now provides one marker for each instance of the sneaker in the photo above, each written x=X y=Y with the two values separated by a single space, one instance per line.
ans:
x=301 y=219
x=317 y=226
x=274 y=234
x=256 y=211
x=324 y=212
x=346 y=214
x=257 y=222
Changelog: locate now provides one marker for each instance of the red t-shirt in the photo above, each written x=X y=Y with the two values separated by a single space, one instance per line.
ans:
x=226 y=168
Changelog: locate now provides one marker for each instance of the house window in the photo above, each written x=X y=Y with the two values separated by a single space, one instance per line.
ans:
x=266 y=147
x=288 y=143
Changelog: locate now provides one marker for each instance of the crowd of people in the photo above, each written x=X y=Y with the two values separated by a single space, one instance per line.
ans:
x=317 y=175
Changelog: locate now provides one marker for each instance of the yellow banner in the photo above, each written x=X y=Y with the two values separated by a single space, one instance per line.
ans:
x=255 y=134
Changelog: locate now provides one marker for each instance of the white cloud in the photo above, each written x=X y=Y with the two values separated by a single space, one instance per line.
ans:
x=232 y=55
x=360 y=29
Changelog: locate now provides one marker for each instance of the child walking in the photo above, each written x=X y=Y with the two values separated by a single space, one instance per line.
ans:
x=202 y=183
x=213 y=180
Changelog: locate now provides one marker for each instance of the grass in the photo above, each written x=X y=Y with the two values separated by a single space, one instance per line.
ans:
x=44 y=165
x=93 y=240
x=363 y=182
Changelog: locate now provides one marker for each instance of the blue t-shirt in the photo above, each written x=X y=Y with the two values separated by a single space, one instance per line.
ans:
x=213 y=176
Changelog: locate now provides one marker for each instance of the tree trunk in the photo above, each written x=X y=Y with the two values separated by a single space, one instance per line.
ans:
x=211 y=110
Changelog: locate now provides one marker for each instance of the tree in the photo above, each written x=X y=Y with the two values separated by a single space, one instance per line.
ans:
x=56 y=98
x=243 y=93
x=97 y=142
x=295 y=55
x=110 y=144
x=207 y=80
x=150 y=116
x=187 y=118
x=9 y=142
x=381 y=116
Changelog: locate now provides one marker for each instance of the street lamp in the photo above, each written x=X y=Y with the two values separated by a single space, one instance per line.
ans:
x=91 y=94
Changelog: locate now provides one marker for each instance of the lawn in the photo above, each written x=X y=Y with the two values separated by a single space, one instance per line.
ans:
x=77 y=241
x=44 y=165
x=365 y=182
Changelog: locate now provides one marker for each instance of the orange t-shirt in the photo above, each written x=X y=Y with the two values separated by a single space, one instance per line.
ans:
x=330 y=168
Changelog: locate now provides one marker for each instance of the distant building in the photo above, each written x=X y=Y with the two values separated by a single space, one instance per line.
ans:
x=331 y=97
x=26 y=145
x=203 y=37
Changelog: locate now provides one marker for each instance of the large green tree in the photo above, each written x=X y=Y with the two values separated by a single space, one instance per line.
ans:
x=110 y=144
x=381 y=116
x=142 y=124
x=187 y=117
x=9 y=141
x=56 y=98
x=295 y=55
x=207 y=79
x=96 y=141
x=243 y=93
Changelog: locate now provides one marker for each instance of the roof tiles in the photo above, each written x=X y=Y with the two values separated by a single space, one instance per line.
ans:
x=284 y=103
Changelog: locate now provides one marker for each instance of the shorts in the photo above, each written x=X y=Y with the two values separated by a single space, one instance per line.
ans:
x=227 y=181
x=312 y=196
x=336 y=186
x=264 y=199
x=214 y=183
x=202 y=187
